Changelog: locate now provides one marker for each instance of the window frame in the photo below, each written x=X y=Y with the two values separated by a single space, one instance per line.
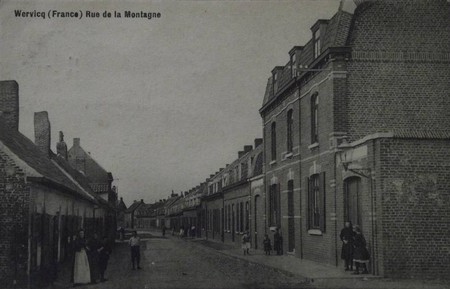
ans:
x=314 y=118
x=316 y=202
x=289 y=133
x=273 y=141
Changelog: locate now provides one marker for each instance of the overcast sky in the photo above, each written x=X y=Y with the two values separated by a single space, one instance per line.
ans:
x=160 y=103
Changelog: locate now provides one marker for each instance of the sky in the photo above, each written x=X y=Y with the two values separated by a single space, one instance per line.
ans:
x=161 y=103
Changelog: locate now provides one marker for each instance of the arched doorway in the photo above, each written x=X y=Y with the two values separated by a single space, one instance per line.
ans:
x=352 y=200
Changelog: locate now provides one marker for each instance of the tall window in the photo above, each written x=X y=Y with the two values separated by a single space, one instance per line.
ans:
x=241 y=218
x=316 y=202
x=290 y=122
x=273 y=136
x=247 y=216
x=316 y=39
x=274 y=205
x=314 y=118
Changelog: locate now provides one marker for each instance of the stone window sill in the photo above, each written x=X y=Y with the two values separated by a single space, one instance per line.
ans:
x=288 y=155
x=313 y=146
x=272 y=163
x=315 y=232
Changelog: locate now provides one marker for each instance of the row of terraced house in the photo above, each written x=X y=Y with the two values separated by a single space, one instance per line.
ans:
x=45 y=198
x=355 y=128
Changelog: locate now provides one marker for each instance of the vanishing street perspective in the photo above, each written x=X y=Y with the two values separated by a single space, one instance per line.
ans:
x=348 y=185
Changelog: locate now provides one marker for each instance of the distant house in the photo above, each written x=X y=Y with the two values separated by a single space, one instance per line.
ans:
x=100 y=179
x=130 y=214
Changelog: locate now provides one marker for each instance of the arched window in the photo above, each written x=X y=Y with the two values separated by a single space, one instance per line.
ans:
x=273 y=136
x=290 y=122
x=314 y=118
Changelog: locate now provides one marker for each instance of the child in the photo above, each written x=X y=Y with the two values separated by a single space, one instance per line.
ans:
x=246 y=243
x=361 y=255
x=267 y=245
x=135 y=243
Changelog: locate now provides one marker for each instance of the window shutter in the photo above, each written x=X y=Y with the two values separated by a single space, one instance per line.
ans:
x=308 y=203
x=322 y=199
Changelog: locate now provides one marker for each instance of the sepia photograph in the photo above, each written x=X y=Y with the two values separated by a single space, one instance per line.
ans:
x=253 y=144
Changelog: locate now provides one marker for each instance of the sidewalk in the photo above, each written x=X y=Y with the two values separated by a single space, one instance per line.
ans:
x=319 y=275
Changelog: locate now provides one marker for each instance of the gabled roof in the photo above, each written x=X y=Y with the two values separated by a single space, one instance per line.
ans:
x=39 y=166
x=134 y=206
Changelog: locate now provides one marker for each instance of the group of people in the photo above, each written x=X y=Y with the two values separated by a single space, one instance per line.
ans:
x=354 y=249
x=90 y=259
x=277 y=243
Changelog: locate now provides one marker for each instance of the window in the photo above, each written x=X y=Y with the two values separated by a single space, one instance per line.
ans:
x=274 y=206
x=273 y=135
x=290 y=122
x=241 y=218
x=275 y=83
x=293 y=66
x=247 y=216
x=316 y=39
x=314 y=118
x=316 y=202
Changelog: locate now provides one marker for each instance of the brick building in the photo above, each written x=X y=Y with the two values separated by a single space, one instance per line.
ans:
x=227 y=205
x=356 y=128
x=44 y=200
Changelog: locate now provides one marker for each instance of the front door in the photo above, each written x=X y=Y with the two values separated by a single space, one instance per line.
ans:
x=291 y=220
x=352 y=201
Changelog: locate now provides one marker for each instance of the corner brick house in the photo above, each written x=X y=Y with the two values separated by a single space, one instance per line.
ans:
x=43 y=200
x=356 y=127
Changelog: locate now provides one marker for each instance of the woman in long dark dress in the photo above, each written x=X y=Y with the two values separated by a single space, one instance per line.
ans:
x=81 y=270
x=361 y=255
x=347 y=236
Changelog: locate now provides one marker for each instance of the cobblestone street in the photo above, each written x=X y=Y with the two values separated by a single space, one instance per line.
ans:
x=175 y=263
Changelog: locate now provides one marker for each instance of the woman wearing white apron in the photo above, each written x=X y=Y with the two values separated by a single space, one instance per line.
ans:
x=81 y=270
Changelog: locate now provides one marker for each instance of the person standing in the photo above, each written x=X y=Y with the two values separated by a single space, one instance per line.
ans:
x=347 y=235
x=361 y=255
x=246 y=243
x=267 y=245
x=81 y=271
x=93 y=245
x=135 y=246
x=163 y=230
x=277 y=242
x=104 y=253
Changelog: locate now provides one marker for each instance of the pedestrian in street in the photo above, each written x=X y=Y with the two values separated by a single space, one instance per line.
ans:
x=81 y=271
x=135 y=246
x=277 y=242
x=267 y=245
x=163 y=231
x=361 y=255
x=104 y=253
x=347 y=235
x=246 y=243
x=93 y=244
x=181 y=232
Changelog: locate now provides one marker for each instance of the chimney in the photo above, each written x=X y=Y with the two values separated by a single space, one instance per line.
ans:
x=142 y=200
x=76 y=142
x=248 y=148
x=61 y=146
x=42 y=132
x=240 y=154
x=9 y=103
x=258 y=142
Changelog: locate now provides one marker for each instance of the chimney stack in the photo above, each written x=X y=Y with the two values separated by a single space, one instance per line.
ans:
x=9 y=103
x=248 y=148
x=42 y=132
x=61 y=146
x=258 y=142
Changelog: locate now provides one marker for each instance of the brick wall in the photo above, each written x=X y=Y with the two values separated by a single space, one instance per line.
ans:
x=14 y=211
x=415 y=199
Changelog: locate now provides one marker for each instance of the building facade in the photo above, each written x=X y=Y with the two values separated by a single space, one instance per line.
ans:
x=369 y=97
